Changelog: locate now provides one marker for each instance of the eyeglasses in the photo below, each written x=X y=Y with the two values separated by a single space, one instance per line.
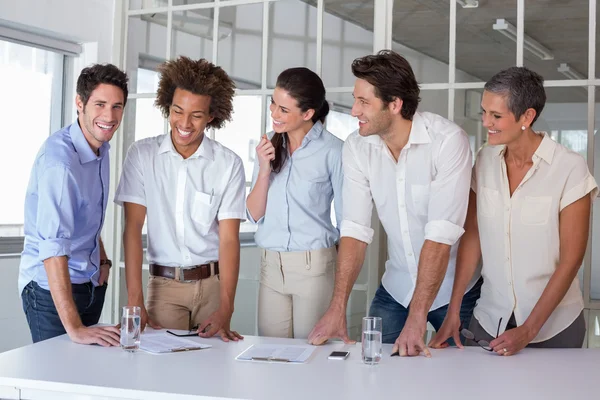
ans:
x=484 y=344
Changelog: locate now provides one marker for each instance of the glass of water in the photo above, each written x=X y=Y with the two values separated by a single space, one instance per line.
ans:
x=130 y=328
x=371 y=340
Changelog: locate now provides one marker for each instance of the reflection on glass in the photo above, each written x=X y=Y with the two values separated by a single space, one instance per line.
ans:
x=146 y=49
x=192 y=34
x=340 y=121
x=434 y=101
x=345 y=38
x=240 y=44
x=292 y=38
x=567 y=45
x=467 y=115
x=420 y=34
x=476 y=37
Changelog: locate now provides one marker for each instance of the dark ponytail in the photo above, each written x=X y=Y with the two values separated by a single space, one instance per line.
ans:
x=309 y=92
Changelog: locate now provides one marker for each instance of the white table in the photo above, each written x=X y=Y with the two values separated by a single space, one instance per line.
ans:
x=59 y=369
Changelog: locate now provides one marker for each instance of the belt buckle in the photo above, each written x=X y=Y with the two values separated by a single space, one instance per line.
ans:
x=181 y=275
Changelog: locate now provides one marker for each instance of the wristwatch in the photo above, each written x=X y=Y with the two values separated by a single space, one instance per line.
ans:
x=107 y=261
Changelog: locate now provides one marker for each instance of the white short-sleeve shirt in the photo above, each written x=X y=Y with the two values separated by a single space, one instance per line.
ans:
x=184 y=198
x=519 y=235
x=422 y=196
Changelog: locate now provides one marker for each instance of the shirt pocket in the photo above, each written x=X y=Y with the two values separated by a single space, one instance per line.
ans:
x=420 y=198
x=536 y=210
x=205 y=208
x=487 y=202
x=317 y=187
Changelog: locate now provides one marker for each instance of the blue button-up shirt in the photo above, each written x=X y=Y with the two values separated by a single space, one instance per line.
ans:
x=64 y=208
x=298 y=212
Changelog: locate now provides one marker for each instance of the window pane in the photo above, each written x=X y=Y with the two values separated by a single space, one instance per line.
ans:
x=467 y=114
x=142 y=120
x=476 y=36
x=420 y=34
x=24 y=71
x=435 y=101
x=340 y=122
x=557 y=53
x=292 y=39
x=146 y=49
x=345 y=37
x=192 y=34
x=240 y=44
x=242 y=135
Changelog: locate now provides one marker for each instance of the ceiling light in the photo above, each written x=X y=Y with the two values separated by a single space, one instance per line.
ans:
x=569 y=72
x=468 y=3
x=509 y=30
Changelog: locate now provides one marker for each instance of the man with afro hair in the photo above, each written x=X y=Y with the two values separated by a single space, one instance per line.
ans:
x=191 y=190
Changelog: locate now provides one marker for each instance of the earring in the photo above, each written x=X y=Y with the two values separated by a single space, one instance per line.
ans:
x=523 y=127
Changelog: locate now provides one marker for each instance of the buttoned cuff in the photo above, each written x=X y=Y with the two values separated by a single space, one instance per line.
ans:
x=54 y=248
x=585 y=187
x=231 y=215
x=356 y=231
x=441 y=231
x=120 y=199
x=249 y=218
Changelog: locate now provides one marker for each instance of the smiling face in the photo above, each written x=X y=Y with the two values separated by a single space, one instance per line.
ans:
x=101 y=116
x=374 y=117
x=287 y=116
x=188 y=116
x=502 y=126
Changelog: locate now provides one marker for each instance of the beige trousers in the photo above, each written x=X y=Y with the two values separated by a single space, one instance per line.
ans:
x=182 y=305
x=295 y=291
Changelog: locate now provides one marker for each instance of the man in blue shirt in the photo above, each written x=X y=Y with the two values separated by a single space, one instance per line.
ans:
x=64 y=269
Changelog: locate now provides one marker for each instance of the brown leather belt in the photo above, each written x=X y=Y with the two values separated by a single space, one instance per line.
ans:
x=187 y=274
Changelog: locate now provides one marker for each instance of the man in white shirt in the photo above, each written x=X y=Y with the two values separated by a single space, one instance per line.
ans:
x=191 y=189
x=416 y=168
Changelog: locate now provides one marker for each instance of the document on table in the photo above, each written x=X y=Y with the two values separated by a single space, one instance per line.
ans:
x=159 y=342
x=277 y=353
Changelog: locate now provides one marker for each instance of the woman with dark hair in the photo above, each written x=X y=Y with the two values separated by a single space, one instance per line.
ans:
x=298 y=174
x=528 y=220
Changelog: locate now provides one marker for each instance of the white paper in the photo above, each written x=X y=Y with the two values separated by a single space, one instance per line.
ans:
x=163 y=342
x=277 y=353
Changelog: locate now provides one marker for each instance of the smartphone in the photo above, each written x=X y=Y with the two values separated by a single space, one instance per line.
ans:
x=338 y=355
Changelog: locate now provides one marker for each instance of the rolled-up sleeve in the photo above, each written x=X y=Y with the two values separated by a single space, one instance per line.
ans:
x=449 y=197
x=233 y=202
x=579 y=183
x=57 y=205
x=131 y=185
x=357 y=198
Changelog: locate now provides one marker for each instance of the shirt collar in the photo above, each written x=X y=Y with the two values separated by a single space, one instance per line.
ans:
x=418 y=131
x=82 y=147
x=545 y=150
x=205 y=149
x=315 y=132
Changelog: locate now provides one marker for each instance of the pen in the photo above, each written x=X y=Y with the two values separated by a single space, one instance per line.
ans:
x=396 y=353
x=212 y=193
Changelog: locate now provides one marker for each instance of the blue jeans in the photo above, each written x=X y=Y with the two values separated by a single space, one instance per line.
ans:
x=42 y=316
x=394 y=314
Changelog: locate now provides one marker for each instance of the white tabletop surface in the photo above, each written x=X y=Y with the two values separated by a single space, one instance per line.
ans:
x=79 y=371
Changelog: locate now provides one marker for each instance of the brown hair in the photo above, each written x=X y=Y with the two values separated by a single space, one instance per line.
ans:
x=199 y=77
x=94 y=75
x=392 y=77
x=308 y=90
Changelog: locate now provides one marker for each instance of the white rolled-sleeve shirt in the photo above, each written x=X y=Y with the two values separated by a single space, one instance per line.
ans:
x=520 y=234
x=184 y=198
x=422 y=196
